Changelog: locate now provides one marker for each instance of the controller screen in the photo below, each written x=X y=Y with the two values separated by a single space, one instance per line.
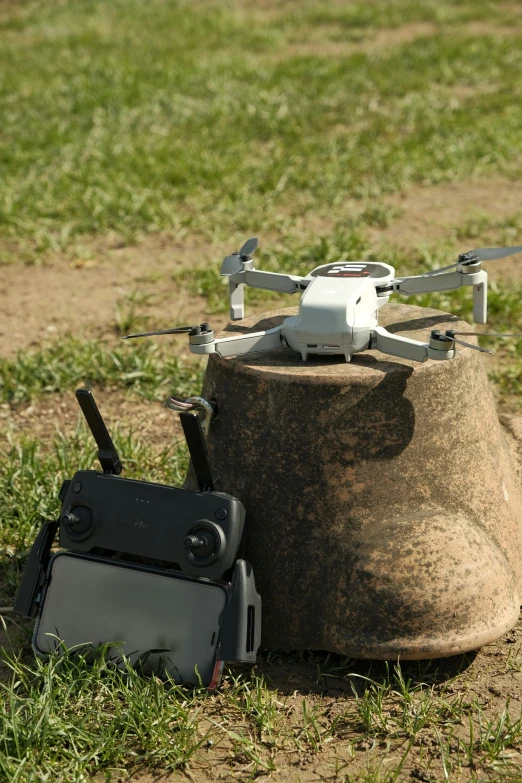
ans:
x=158 y=621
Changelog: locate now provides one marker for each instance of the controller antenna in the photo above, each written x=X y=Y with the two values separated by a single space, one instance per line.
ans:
x=205 y=476
x=107 y=454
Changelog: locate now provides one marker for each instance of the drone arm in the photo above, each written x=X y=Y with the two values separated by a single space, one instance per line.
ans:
x=386 y=342
x=239 y=344
x=395 y=345
x=423 y=284
x=271 y=281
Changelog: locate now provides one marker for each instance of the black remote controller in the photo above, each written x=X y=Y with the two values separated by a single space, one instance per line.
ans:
x=199 y=532
x=181 y=618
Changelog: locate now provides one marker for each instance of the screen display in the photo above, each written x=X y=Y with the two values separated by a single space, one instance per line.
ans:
x=160 y=622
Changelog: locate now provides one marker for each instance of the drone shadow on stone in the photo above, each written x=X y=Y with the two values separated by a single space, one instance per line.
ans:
x=422 y=323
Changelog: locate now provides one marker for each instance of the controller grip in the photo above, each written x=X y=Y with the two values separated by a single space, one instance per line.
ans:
x=241 y=632
x=33 y=577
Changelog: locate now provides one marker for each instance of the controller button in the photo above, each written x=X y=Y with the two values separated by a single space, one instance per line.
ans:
x=77 y=486
x=78 y=520
x=193 y=542
x=221 y=513
x=204 y=542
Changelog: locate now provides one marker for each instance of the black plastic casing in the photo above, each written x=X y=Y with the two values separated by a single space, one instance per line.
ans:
x=240 y=621
x=151 y=520
x=241 y=629
x=35 y=571
x=197 y=537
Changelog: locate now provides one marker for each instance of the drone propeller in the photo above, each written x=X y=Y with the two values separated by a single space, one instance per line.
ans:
x=450 y=334
x=249 y=248
x=477 y=255
x=234 y=263
x=469 y=345
x=176 y=330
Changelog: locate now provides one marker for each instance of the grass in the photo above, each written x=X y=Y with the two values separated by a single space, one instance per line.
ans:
x=349 y=239
x=64 y=719
x=66 y=364
x=30 y=478
x=127 y=312
x=174 y=116
x=221 y=119
x=69 y=720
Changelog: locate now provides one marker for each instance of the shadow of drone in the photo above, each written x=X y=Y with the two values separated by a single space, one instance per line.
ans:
x=422 y=323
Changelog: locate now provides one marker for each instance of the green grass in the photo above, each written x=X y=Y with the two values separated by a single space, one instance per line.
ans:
x=150 y=372
x=172 y=115
x=30 y=477
x=153 y=372
x=65 y=719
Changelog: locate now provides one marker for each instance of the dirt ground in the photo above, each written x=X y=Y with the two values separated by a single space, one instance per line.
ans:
x=490 y=677
x=44 y=418
x=377 y=40
x=82 y=297
x=433 y=214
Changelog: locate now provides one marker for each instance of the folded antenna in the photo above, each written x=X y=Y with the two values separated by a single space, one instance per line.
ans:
x=107 y=454
x=197 y=446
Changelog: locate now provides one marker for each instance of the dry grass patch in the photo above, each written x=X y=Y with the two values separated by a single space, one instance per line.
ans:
x=46 y=417
x=435 y=213
x=114 y=289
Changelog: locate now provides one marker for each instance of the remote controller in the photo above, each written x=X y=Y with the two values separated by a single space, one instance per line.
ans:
x=163 y=619
x=199 y=532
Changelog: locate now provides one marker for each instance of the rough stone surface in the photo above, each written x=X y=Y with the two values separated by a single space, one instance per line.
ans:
x=383 y=497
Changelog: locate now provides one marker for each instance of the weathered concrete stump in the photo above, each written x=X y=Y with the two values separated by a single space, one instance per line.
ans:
x=383 y=497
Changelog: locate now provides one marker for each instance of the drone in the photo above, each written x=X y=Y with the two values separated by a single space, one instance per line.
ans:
x=339 y=308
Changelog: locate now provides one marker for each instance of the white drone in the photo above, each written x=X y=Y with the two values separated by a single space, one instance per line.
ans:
x=339 y=307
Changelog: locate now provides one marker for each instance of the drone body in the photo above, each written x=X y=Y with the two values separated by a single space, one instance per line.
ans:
x=339 y=306
x=338 y=310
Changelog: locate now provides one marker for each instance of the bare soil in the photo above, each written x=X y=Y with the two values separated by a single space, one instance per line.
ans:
x=56 y=414
x=325 y=42
x=431 y=214
x=489 y=677
x=374 y=42
x=82 y=297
